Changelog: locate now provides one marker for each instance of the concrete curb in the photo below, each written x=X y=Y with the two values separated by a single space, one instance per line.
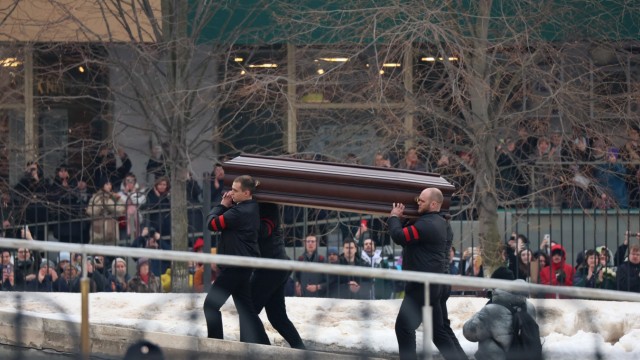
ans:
x=64 y=336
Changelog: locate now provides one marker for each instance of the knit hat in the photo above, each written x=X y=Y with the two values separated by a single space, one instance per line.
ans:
x=49 y=263
x=64 y=256
x=502 y=273
x=141 y=262
x=333 y=250
x=114 y=262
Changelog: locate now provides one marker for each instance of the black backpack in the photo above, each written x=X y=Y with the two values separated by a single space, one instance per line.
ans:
x=526 y=344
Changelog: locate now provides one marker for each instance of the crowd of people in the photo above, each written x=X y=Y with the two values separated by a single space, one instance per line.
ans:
x=111 y=205
x=102 y=203
x=247 y=228
x=546 y=169
x=599 y=267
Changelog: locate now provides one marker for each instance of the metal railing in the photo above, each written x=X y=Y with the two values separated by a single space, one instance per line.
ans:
x=411 y=276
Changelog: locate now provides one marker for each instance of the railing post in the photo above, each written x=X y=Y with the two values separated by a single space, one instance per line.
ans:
x=427 y=324
x=85 y=347
x=206 y=234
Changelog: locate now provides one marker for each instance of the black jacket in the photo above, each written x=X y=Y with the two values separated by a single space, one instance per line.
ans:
x=447 y=251
x=339 y=284
x=270 y=237
x=311 y=278
x=239 y=227
x=628 y=277
x=424 y=243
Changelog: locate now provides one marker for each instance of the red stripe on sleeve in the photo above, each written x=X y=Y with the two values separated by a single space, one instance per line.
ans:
x=222 y=224
x=406 y=234
x=214 y=227
x=270 y=225
x=415 y=231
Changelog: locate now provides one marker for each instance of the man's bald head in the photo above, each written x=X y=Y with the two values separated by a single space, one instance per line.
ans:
x=430 y=200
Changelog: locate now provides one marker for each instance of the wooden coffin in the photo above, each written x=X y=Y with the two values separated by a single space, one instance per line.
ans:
x=334 y=186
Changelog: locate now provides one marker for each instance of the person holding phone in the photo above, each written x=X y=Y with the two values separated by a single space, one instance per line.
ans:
x=237 y=218
x=47 y=275
x=8 y=278
x=621 y=253
x=363 y=232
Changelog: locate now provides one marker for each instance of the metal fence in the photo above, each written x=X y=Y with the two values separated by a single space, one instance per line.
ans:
x=576 y=229
x=426 y=278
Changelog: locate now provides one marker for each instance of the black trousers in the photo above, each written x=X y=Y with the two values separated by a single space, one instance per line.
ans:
x=446 y=293
x=267 y=291
x=235 y=282
x=410 y=317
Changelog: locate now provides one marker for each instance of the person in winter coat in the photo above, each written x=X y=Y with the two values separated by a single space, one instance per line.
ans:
x=144 y=281
x=348 y=286
x=380 y=288
x=558 y=273
x=47 y=275
x=491 y=327
x=628 y=276
x=133 y=197
x=158 y=204
x=67 y=278
x=118 y=279
x=105 y=208
x=310 y=284
x=591 y=273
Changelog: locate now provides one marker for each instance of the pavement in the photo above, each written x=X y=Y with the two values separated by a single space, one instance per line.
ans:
x=32 y=337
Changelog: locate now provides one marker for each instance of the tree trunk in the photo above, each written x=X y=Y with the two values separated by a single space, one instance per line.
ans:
x=485 y=201
x=175 y=30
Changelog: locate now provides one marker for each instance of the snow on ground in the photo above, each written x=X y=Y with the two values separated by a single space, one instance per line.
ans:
x=570 y=328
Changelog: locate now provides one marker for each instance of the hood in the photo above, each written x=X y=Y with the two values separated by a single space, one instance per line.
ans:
x=559 y=247
x=504 y=297
x=554 y=266
x=599 y=249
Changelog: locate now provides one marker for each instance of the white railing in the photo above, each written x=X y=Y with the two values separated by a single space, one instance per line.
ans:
x=413 y=276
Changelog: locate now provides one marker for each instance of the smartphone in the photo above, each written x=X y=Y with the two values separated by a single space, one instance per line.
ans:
x=547 y=237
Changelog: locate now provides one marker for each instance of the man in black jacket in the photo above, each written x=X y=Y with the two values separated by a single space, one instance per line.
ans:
x=239 y=225
x=424 y=249
x=267 y=285
x=348 y=286
x=310 y=284
x=628 y=276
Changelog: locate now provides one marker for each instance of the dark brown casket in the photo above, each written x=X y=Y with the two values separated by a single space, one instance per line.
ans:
x=334 y=186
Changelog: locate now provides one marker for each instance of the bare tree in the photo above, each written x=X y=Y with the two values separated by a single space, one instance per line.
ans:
x=473 y=73
x=170 y=74
x=450 y=78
